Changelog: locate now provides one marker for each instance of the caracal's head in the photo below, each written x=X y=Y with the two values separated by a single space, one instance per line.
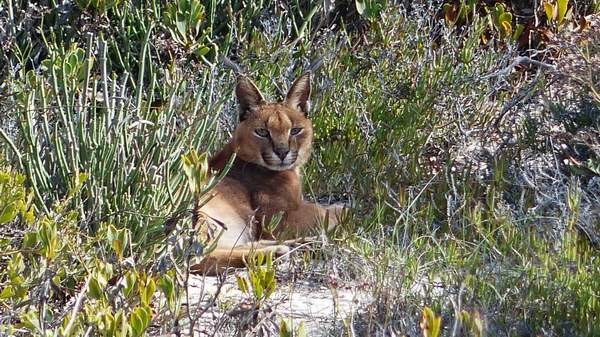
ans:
x=277 y=135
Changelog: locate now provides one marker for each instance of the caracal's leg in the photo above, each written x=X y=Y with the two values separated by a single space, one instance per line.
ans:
x=306 y=218
x=222 y=258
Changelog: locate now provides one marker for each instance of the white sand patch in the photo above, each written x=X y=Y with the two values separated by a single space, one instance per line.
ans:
x=321 y=308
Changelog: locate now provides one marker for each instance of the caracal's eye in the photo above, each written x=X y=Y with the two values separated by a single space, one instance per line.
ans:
x=295 y=131
x=262 y=132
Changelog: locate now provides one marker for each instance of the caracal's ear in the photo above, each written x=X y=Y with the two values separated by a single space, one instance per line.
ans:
x=248 y=95
x=299 y=94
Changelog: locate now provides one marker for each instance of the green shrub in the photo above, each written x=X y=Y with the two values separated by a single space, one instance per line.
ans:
x=47 y=264
x=185 y=20
x=105 y=174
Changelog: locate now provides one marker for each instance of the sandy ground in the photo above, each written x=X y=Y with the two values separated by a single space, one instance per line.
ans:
x=322 y=309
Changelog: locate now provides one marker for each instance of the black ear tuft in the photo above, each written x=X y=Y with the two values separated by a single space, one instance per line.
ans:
x=299 y=94
x=248 y=95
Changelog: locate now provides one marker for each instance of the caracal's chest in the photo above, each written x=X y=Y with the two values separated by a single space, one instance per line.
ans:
x=249 y=195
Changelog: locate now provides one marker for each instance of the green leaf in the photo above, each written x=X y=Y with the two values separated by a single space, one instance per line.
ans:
x=49 y=238
x=29 y=216
x=195 y=168
x=284 y=331
x=201 y=51
x=118 y=239
x=130 y=281
x=165 y=283
x=518 y=31
x=7 y=292
x=30 y=320
x=95 y=289
x=242 y=284
x=77 y=182
x=431 y=323
x=257 y=287
x=16 y=266
x=136 y=324
x=500 y=8
x=505 y=17
x=145 y=314
x=360 y=7
x=181 y=27
x=140 y=320
x=147 y=292
x=562 y=10
x=549 y=9
x=8 y=214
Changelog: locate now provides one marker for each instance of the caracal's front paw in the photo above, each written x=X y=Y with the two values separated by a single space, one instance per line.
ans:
x=279 y=250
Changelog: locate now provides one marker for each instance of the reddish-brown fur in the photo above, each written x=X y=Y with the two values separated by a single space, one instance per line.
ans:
x=271 y=143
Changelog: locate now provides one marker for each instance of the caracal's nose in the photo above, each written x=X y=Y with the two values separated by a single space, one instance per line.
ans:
x=281 y=152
